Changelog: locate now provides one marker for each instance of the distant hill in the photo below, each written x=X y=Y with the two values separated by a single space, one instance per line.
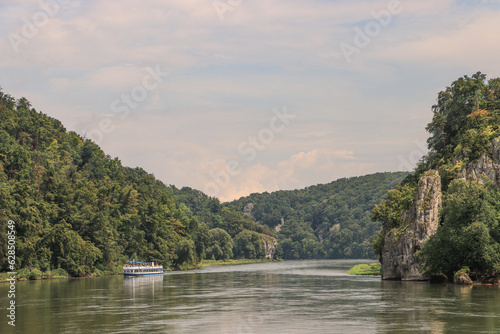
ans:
x=323 y=221
x=215 y=214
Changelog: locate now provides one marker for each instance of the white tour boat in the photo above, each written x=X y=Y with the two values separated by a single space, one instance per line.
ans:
x=142 y=269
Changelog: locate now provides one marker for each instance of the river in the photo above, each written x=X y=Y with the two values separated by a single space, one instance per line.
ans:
x=283 y=297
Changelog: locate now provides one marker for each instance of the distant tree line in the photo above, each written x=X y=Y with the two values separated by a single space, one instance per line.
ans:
x=329 y=221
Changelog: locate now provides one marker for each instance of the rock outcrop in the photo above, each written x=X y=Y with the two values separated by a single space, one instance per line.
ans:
x=248 y=209
x=462 y=278
x=420 y=222
x=270 y=245
x=278 y=227
x=484 y=166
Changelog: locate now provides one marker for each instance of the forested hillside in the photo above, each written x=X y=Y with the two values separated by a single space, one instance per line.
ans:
x=229 y=226
x=464 y=147
x=78 y=210
x=323 y=221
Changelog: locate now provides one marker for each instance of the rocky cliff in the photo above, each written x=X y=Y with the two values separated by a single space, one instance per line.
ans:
x=270 y=244
x=485 y=165
x=420 y=222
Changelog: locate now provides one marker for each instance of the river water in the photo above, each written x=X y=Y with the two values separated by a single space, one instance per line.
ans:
x=283 y=297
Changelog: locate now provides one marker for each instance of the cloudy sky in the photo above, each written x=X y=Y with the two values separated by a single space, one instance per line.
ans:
x=241 y=96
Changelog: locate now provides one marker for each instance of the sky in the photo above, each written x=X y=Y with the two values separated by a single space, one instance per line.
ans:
x=233 y=97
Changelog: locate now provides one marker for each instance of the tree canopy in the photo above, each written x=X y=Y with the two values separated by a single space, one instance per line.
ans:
x=80 y=210
x=323 y=221
x=466 y=119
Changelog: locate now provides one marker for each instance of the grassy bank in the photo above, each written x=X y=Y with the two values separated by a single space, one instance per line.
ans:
x=365 y=269
x=35 y=274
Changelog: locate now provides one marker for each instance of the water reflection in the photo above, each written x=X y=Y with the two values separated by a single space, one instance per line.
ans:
x=137 y=286
x=439 y=308
x=292 y=297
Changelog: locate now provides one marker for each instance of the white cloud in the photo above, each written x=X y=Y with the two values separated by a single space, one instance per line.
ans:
x=299 y=170
x=474 y=45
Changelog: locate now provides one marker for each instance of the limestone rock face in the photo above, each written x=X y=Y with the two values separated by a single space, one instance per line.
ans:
x=278 y=227
x=247 y=210
x=420 y=222
x=270 y=245
x=484 y=165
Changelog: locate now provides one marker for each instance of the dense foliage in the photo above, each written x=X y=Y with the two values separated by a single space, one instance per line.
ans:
x=79 y=210
x=469 y=235
x=465 y=122
x=214 y=214
x=390 y=211
x=220 y=245
x=231 y=233
x=466 y=119
x=324 y=221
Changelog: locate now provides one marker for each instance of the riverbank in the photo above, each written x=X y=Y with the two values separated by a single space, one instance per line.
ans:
x=35 y=274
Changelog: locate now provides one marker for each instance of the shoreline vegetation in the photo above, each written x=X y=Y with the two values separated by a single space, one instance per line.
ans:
x=461 y=277
x=35 y=275
x=366 y=269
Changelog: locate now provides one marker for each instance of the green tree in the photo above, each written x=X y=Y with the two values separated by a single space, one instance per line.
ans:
x=185 y=253
x=391 y=211
x=70 y=251
x=249 y=245
x=465 y=238
x=220 y=245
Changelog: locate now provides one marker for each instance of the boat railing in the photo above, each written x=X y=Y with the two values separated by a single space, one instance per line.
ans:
x=142 y=265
